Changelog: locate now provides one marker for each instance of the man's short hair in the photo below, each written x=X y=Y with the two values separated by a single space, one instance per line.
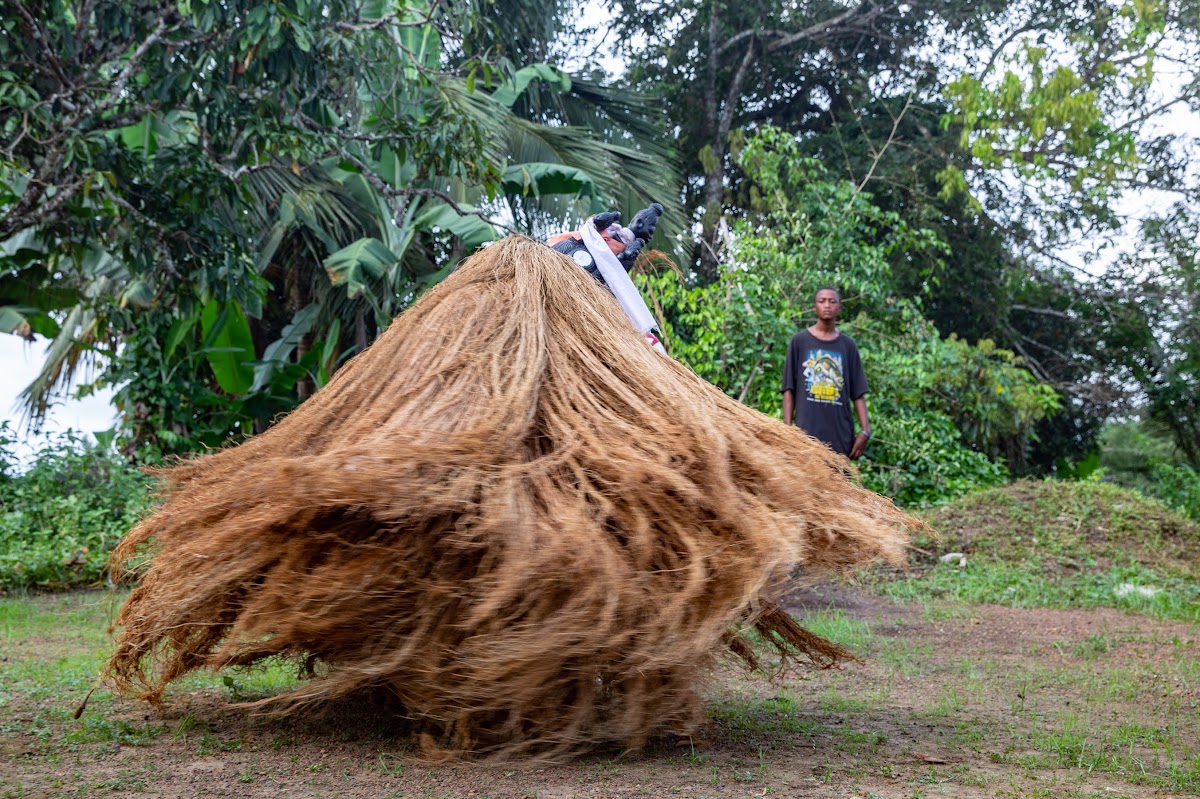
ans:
x=834 y=289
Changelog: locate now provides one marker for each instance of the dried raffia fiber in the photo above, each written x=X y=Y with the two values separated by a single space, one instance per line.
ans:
x=510 y=513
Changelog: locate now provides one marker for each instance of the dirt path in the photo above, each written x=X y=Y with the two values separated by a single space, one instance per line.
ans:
x=953 y=700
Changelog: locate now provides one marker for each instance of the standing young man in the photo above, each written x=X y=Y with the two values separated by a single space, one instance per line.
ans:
x=822 y=377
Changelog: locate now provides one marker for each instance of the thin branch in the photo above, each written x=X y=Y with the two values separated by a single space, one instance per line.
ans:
x=758 y=365
x=118 y=86
x=450 y=201
x=391 y=19
x=879 y=155
x=999 y=49
x=1044 y=311
x=812 y=31
x=735 y=92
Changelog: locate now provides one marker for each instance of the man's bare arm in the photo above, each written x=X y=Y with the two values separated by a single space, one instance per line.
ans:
x=789 y=406
x=864 y=427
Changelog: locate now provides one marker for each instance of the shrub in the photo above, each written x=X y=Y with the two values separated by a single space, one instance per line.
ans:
x=1178 y=486
x=917 y=459
x=61 y=516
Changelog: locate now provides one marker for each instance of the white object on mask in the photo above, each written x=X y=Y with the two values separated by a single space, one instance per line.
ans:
x=620 y=284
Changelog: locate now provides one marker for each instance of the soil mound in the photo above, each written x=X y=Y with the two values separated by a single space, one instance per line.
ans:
x=1083 y=522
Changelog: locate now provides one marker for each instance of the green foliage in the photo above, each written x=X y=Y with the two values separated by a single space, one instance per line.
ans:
x=169 y=394
x=228 y=346
x=726 y=68
x=236 y=85
x=1037 y=116
x=1141 y=455
x=918 y=458
x=1169 y=299
x=939 y=406
x=1017 y=132
x=985 y=390
x=1178 y=486
x=268 y=184
x=61 y=517
x=177 y=133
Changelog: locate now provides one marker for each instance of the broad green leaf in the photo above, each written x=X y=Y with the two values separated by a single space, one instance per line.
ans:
x=229 y=347
x=509 y=91
x=548 y=178
x=278 y=351
x=472 y=230
x=374 y=9
x=179 y=330
x=329 y=354
x=141 y=136
x=393 y=167
x=11 y=319
x=139 y=293
x=352 y=266
x=424 y=45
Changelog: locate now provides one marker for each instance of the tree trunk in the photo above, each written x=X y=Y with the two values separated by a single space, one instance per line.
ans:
x=707 y=265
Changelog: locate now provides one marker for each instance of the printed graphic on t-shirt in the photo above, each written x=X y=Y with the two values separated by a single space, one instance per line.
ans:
x=823 y=376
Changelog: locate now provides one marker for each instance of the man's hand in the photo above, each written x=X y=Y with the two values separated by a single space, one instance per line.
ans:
x=630 y=254
x=860 y=446
x=605 y=220
x=646 y=220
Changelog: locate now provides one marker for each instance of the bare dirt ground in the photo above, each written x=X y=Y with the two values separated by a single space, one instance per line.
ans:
x=952 y=700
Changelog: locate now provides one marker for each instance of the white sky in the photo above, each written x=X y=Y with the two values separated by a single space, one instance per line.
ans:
x=19 y=364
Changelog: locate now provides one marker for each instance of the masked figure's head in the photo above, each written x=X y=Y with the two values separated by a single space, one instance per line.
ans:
x=624 y=242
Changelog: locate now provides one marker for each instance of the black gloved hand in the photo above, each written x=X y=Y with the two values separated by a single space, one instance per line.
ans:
x=646 y=221
x=630 y=254
x=605 y=220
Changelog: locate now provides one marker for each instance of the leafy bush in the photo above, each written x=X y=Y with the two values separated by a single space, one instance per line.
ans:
x=60 y=518
x=1140 y=454
x=1178 y=486
x=918 y=459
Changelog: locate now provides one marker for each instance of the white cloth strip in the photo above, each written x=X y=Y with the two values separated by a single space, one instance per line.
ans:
x=618 y=279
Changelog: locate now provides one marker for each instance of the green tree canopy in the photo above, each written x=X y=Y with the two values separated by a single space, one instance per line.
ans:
x=226 y=199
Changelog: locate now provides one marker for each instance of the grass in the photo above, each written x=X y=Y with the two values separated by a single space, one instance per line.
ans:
x=835 y=625
x=60 y=642
x=987 y=579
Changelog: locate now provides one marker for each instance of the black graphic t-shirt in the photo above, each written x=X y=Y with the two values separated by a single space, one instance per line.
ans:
x=826 y=377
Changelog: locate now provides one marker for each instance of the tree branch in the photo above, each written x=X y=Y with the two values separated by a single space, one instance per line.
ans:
x=999 y=49
x=878 y=156
x=812 y=31
x=735 y=93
